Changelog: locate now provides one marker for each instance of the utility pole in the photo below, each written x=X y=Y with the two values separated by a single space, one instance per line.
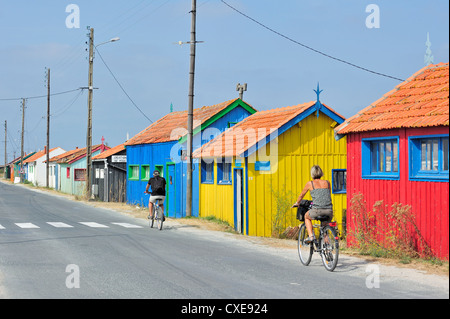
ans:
x=191 y=111
x=21 y=147
x=6 y=157
x=89 y=126
x=48 y=125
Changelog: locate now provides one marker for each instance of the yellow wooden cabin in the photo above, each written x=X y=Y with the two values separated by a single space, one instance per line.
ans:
x=252 y=173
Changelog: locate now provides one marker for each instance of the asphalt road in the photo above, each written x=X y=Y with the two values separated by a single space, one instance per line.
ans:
x=52 y=247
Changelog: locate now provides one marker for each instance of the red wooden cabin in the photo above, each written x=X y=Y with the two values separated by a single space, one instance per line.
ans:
x=397 y=152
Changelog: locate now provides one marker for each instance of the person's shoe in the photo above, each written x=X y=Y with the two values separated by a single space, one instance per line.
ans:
x=309 y=240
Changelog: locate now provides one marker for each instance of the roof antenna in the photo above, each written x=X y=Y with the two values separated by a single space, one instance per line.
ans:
x=429 y=58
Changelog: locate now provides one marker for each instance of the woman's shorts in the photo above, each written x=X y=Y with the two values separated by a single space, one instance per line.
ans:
x=153 y=199
x=316 y=212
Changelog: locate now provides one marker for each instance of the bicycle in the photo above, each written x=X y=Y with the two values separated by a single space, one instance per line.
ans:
x=157 y=216
x=327 y=245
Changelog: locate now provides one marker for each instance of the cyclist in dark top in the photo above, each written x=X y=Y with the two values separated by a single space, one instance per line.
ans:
x=158 y=186
x=321 y=199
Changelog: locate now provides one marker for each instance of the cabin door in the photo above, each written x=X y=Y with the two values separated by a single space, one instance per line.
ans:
x=238 y=200
x=170 y=182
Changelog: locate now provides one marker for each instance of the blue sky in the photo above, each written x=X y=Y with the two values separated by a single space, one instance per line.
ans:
x=155 y=72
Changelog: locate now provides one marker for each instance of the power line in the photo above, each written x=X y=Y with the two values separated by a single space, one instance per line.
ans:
x=120 y=85
x=67 y=106
x=308 y=47
x=39 y=96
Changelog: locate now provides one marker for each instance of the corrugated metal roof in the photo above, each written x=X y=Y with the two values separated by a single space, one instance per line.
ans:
x=173 y=126
x=420 y=101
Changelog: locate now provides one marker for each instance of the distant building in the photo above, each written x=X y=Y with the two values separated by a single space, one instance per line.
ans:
x=37 y=166
x=109 y=174
x=72 y=169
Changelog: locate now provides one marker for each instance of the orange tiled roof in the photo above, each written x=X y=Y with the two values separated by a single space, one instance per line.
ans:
x=420 y=101
x=72 y=155
x=110 y=152
x=241 y=137
x=173 y=126
x=63 y=155
x=38 y=155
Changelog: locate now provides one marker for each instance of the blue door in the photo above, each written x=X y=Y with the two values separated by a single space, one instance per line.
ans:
x=170 y=180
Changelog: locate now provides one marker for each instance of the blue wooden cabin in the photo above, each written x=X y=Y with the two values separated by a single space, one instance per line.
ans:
x=162 y=146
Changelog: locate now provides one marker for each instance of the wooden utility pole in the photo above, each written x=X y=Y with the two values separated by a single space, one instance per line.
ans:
x=89 y=126
x=21 y=147
x=6 y=157
x=191 y=112
x=48 y=127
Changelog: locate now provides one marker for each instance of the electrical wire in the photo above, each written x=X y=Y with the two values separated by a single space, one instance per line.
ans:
x=308 y=47
x=120 y=85
x=67 y=106
x=39 y=96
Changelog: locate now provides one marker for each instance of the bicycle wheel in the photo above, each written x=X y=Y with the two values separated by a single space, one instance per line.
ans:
x=305 y=251
x=329 y=246
x=159 y=218
x=152 y=220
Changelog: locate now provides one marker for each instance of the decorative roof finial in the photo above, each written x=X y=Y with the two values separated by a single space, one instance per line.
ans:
x=171 y=107
x=318 y=104
x=429 y=58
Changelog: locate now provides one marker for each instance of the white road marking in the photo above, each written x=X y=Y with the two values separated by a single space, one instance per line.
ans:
x=27 y=225
x=127 y=225
x=59 y=225
x=64 y=225
x=94 y=225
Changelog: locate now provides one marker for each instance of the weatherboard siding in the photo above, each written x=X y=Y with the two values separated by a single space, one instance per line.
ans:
x=299 y=148
x=168 y=153
x=429 y=200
